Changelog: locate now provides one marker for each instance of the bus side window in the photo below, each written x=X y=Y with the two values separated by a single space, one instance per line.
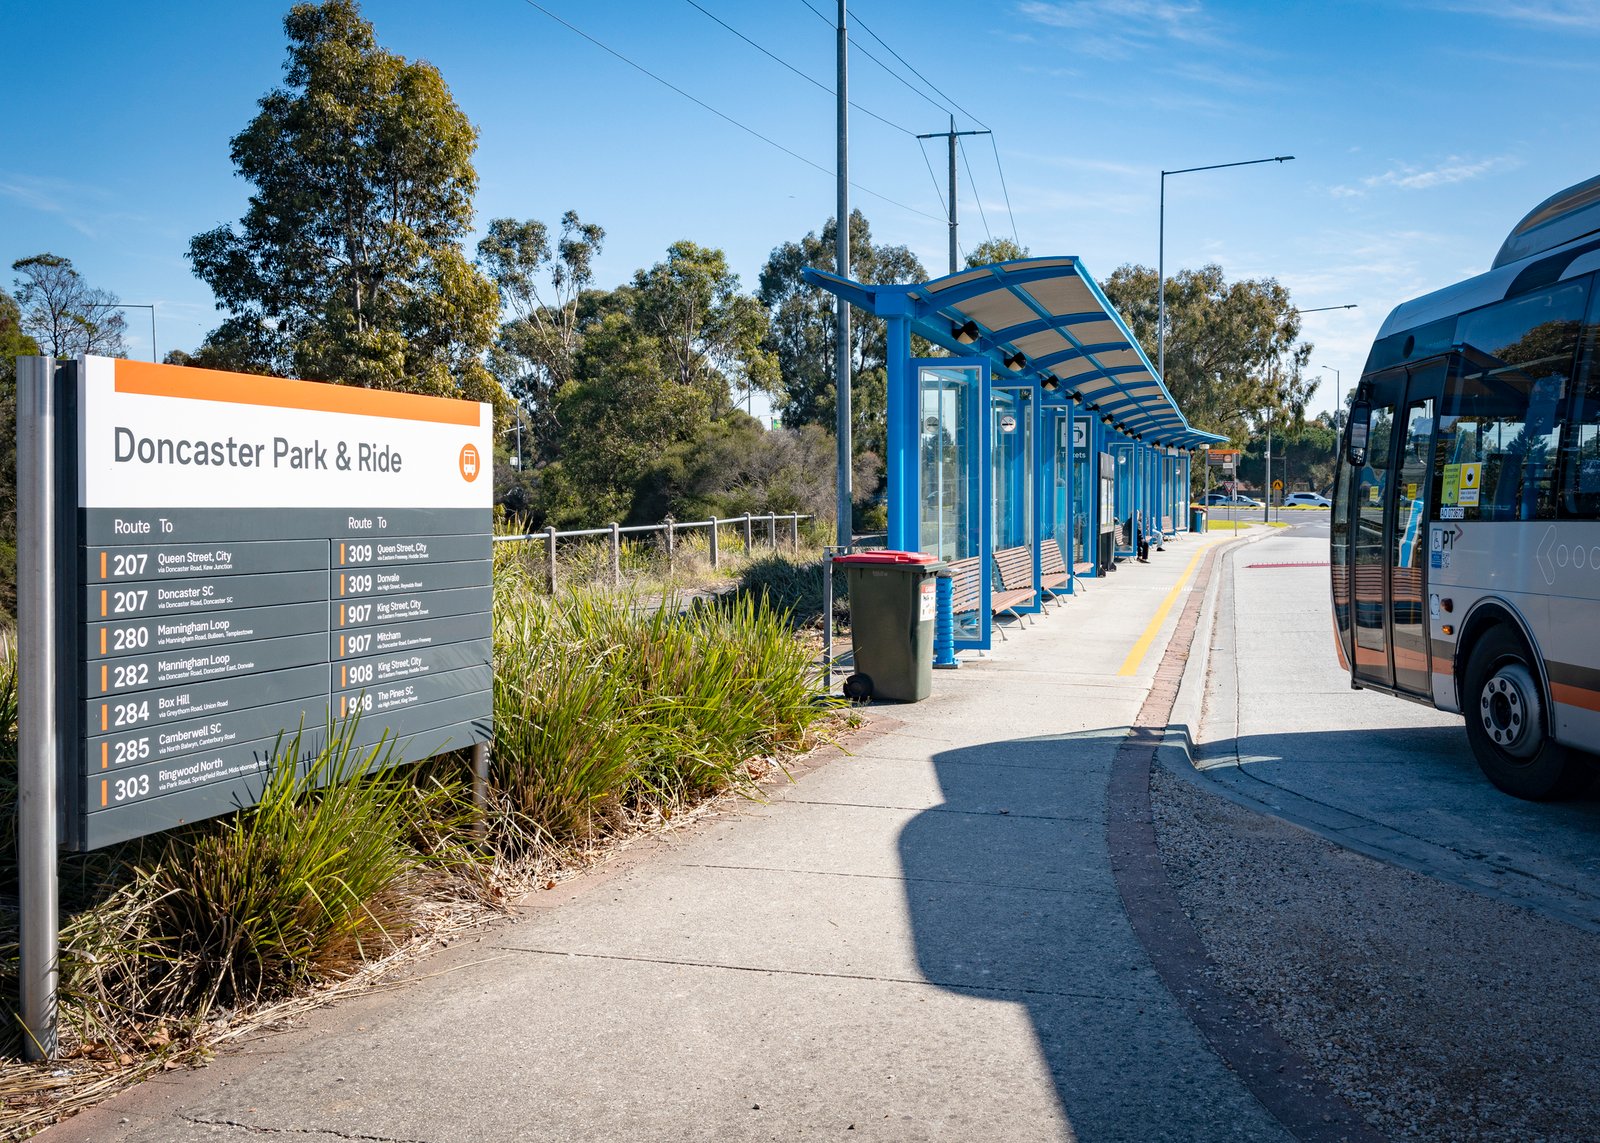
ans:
x=1580 y=439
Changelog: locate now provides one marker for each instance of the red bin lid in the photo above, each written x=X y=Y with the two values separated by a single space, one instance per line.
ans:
x=880 y=558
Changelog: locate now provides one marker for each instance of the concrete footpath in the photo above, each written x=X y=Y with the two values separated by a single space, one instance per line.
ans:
x=920 y=940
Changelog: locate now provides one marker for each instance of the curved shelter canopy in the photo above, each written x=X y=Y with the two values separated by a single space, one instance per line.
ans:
x=1042 y=321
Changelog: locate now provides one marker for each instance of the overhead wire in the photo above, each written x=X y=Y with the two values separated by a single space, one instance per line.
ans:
x=719 y=114
x=889 y=70
x=1004 y=190
x=973 y=183
x=919 y=75
x=813 y=81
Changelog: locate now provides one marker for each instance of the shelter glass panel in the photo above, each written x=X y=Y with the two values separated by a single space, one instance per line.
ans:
x=1011 y=479
x=949 y=478
x=1084 y=484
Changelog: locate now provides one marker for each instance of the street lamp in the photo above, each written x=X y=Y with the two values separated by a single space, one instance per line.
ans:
x=131 y=306
x=1161 y=253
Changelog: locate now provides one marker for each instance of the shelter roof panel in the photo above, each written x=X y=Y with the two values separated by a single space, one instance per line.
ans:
x=998 y=309
x=1041 y=344
x=1061 y=295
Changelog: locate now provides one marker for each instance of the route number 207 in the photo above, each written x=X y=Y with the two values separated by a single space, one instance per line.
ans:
x=129 y=600
x=131 y=564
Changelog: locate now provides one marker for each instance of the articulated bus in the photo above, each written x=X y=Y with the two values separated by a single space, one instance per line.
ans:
x=1466 y=519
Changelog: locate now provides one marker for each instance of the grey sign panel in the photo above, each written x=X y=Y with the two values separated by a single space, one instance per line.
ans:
x=402 y=726
x=197 y=736
x=177 y=632
x=399 y=580
x=210 y=593
x=134 y=526
x=178 y=561
x=388 y=640
x=415 y=549
x=380 y=699
x=177 y=704
x=413 y=664
x=143 y=672
x=424 y=605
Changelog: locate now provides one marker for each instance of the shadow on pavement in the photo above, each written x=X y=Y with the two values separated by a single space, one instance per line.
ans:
x=1012 y=899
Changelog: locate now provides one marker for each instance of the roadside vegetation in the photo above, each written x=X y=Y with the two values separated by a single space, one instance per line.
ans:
x=615 y=713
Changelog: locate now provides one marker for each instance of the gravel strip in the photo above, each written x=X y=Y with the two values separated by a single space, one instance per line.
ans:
x=1438 y=1013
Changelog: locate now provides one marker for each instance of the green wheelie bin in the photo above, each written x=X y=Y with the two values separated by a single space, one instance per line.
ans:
x=891 y=623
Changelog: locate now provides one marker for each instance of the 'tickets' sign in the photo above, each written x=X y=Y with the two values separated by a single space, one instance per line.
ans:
x=258 y=557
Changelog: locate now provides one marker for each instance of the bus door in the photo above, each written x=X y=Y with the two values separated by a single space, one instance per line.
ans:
x=1386 y=531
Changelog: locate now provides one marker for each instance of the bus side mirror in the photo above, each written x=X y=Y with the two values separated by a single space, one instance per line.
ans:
x=1355 y=450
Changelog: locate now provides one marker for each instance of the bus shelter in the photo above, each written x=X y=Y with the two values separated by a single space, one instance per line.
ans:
x=1045 y=425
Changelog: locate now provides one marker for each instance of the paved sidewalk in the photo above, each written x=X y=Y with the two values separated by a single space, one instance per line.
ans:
x=920 y=941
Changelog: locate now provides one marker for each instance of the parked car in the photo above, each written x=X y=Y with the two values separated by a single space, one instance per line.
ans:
x=1306 y=500
x=1222 y=499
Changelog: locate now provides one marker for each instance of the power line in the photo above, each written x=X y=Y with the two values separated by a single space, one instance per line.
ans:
x=973 y=183
x=719 y=114
x=785 y=63
x=919 y=75
x=1004 y=191
x=889 y=70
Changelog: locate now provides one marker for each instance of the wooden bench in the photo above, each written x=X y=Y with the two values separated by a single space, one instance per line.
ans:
x=1053 y=573
x=1015 y=567
x=966 y=586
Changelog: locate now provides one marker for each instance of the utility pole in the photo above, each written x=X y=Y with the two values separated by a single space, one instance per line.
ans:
x=841 y=347
x=952 y=135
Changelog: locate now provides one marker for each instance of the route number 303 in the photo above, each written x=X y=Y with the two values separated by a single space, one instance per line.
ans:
x=135 y=787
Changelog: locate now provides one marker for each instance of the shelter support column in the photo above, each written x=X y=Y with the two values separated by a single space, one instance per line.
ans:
x=1069 y=485
x=900 y=438
x=1036 y=500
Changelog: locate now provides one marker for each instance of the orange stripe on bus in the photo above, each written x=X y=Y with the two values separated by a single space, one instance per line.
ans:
x=148 y=379
x=1570 y=695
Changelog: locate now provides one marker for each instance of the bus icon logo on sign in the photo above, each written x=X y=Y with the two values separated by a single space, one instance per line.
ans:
x=469 y=463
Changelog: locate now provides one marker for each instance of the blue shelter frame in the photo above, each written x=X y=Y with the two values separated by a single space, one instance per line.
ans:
x=999 y=445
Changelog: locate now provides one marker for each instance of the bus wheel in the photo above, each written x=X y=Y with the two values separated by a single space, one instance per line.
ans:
x=1506 y=724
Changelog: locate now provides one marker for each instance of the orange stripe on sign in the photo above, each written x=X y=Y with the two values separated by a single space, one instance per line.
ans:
x=102 y=640
x=341 y=646
x=151 y=380
x=341 y=706
x=102 y=565
x=105 y=755
x=341 y=583
x=102 y=604
x=341 y=555
x=1570 y=695
x=105 y=678
x=103 y=785
x=341 y=615
x=344 y=676
x=105 y=716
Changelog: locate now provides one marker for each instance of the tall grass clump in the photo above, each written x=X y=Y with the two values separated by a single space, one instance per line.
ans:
x=607 y=705
x=319 y=877
x=793 y=586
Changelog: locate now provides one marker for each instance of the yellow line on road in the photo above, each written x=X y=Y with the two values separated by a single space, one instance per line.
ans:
x=1130 y=665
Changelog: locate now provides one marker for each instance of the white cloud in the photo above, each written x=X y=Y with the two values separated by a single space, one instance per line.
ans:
x=1581 y=15
x=1407 y=177
x=1117 y=28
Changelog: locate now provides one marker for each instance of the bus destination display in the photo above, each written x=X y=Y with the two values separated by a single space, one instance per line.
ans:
x=258 y=558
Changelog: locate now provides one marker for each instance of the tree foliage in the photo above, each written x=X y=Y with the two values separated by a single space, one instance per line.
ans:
x=993 y=250
x=14 y=343
x=534 y=354
x=1234 y=362
x=347 y=266
x=62 y=313
x=802 y=333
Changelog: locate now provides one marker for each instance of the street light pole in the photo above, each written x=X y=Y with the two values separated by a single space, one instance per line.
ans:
x=1161 y=252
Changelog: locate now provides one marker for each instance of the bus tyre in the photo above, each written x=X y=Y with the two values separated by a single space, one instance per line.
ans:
x=1506 y=723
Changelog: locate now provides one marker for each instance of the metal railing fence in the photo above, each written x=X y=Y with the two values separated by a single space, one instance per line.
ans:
x=669 y=530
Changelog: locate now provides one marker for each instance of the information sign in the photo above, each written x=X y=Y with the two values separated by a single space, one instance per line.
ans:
x=255 y=559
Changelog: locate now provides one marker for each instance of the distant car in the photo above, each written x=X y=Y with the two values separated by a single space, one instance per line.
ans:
x=1224 y=500
x=1306 y=500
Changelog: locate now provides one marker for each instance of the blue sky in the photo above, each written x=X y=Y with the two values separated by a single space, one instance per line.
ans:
x=1422 y=132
